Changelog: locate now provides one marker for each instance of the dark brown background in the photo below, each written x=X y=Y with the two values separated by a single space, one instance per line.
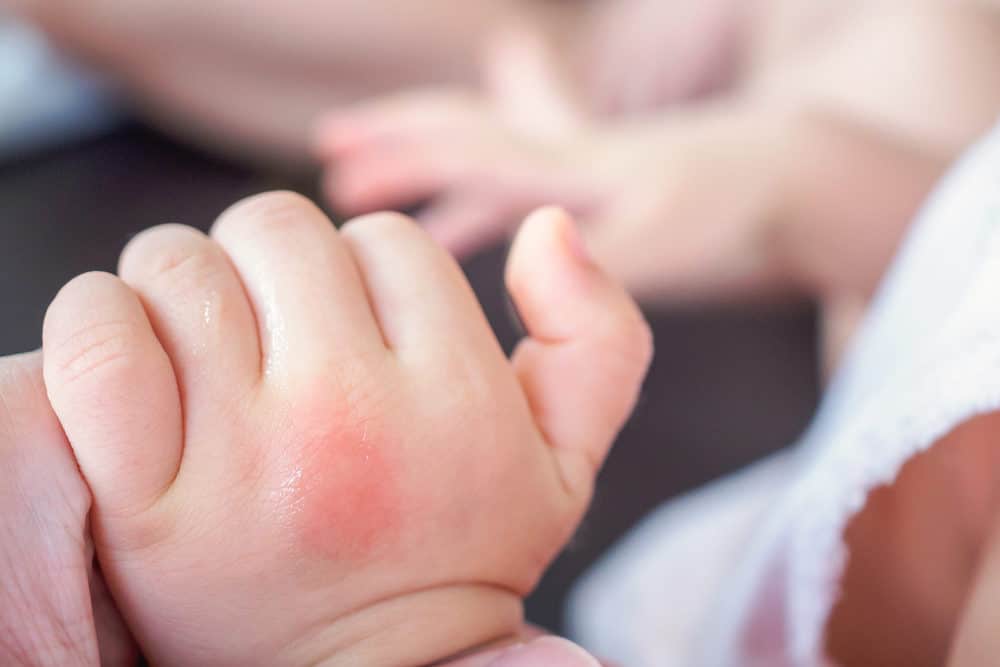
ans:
x=727 y=387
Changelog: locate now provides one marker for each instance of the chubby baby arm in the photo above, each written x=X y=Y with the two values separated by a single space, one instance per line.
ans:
x=306 y=446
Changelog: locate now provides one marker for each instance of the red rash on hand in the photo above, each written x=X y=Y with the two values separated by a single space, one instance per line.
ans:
x=346 y=494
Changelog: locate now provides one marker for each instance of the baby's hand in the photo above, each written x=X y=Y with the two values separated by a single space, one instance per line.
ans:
x=306 y=446
x=682 y=209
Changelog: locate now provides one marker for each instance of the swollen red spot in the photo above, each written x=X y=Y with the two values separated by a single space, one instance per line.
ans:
x=347 y=498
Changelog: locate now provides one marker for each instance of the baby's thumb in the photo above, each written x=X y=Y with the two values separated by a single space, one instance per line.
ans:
x=588 y=346
x=524 y=79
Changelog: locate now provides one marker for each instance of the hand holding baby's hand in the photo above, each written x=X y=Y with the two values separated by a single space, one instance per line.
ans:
x=305 y=444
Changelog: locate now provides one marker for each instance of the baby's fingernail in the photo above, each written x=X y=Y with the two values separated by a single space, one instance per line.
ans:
x=568 y=231
x=575 y=242
x=571 y=235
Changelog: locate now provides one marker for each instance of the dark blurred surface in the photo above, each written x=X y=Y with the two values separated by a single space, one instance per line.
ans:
x=727 y=387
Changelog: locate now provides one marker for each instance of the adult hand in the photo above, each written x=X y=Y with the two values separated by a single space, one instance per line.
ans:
x=54 y=607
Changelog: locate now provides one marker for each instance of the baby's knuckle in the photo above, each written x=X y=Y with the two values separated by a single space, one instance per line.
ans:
x=266 y=211
x=467 y=389
x=148 y=246
x=96 y=350
x=362 y=385
x=380 y=225
x=180 y=266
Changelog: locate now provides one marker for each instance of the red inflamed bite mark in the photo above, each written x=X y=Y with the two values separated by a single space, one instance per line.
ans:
x=346 y=494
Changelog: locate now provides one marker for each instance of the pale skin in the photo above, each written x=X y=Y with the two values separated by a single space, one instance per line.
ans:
x=821 y=150
x=903 y=154
x=59 y=613
x=55 y=610
x=316 y=385
x=955 y=615
x=54 y=606
x=801 y=181
x=253 y=79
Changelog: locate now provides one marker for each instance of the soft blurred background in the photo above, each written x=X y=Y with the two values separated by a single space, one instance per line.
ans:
x=81 y=172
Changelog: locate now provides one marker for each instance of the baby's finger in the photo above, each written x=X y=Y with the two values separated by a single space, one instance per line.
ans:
x=383 y=178
x=349 y=130
x=466 y=221
x=199 y=310
x=418 y=292
x=588 y=347
x=101 y=356
x=310 y=303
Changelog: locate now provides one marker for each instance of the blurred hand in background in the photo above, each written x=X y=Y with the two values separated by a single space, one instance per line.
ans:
x=799 y=177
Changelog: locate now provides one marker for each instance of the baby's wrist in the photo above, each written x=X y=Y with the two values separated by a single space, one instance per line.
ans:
x=434 y=626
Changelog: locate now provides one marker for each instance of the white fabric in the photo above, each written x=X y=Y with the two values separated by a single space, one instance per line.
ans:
x=650 y=600
x=44 y=99
x=926 y=360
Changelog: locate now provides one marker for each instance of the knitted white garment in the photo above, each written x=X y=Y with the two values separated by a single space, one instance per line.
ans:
x=926 y=360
